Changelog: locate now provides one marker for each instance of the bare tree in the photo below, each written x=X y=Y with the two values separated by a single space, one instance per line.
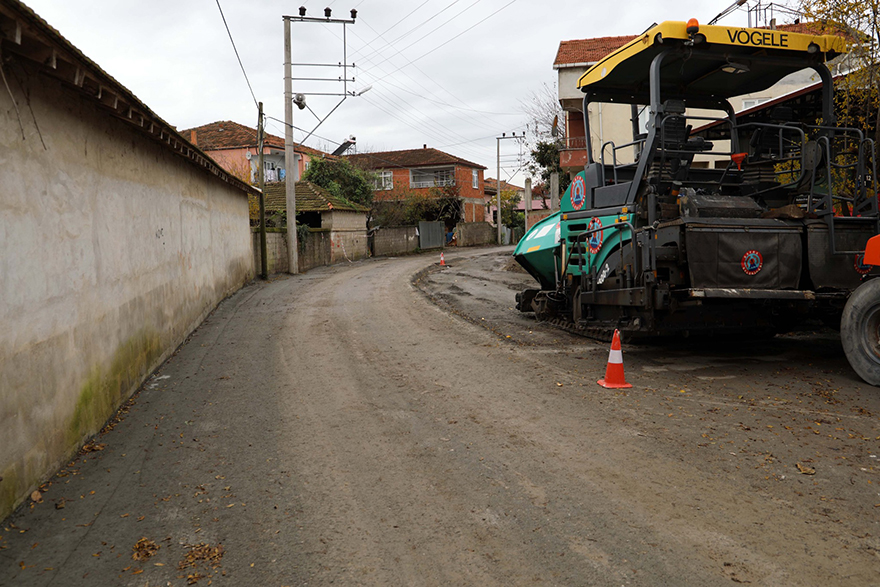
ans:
x=544 y=112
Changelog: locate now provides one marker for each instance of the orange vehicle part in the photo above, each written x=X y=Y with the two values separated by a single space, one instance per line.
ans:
x=872 y=251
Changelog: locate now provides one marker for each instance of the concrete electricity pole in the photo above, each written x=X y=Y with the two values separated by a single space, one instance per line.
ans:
x=264 y=263
x=528 y=198
x=498 y=193
x=289 y=158
x=289 y=153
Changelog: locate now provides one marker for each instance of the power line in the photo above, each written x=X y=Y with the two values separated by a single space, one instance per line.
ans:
x=394 y=116
x=228 y=32
x=380 y=35
x=434 y=30
x=476 y=121
x=415 y=28
x=434 y=81
x=450 y=40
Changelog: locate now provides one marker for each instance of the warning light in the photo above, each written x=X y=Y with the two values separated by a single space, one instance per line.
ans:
x=693 y=27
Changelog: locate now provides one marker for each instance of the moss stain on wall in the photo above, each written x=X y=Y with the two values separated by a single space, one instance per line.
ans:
x=106 y=389
x=99 y=398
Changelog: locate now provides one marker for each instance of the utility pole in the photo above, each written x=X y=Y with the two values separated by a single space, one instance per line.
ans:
x=528 y=198
x=498 y=192
x=289 y=159
x=289 y=153
x=498 y=188
x=264 y=263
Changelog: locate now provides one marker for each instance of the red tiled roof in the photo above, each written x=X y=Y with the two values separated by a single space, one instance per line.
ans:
x=490 y=186
x=589 y=50
x=309 y=198
x=226 y=134
x=408 y=159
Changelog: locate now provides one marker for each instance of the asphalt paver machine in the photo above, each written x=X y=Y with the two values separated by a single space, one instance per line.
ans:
x=706 y=224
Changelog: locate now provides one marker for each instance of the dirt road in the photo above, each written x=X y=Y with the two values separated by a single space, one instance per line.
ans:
x=349 y=427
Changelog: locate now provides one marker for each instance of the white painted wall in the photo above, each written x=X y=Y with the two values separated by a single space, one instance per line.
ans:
x=113 y=250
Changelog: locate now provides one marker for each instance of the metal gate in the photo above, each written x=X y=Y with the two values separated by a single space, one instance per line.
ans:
x=431 y=235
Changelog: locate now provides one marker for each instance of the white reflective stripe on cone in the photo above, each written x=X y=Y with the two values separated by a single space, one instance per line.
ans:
x=615 y=357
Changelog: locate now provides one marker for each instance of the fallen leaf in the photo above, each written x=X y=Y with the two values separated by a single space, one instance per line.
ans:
x=806 y=470
x=37 y=497
x=144 y=549
x=93 y=447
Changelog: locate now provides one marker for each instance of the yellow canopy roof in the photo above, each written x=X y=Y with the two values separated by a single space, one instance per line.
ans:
x=721 y=62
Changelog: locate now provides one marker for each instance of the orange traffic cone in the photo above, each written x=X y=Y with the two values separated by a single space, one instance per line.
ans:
x=442 y=262
x=614 y=371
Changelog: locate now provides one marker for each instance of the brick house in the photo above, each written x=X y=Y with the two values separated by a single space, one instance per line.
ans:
x=420 y=170
x=234 y=146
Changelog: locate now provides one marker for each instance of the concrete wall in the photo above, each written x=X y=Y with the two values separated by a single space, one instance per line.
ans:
x=348 y=234
x=276 y=250
x=315 y=252
x=472 y=234
x=114 y=250
x=396 y=240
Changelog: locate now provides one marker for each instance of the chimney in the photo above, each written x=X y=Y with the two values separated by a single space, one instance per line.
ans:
x=192 y=137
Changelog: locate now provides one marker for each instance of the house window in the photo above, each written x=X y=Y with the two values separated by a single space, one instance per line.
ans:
x=752 y=102
x=428 y=178
x=475 y=179
x=270 y=172
x=383 y=180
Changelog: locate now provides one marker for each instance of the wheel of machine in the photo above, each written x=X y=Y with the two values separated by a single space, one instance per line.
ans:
x=860 y=331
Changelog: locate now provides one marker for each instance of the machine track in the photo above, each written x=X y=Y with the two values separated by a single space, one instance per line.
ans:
x=594 y=332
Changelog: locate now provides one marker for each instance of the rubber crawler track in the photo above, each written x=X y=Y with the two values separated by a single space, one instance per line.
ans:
x=594 y=332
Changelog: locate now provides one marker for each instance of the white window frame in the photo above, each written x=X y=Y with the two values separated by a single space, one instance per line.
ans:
x=384 y=180
x=475 y=176
x=752 y=102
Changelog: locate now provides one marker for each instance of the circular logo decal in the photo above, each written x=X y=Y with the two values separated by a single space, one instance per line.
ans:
x=595 y=239
x=578 y=193
x=752 y=262
x=861 y=267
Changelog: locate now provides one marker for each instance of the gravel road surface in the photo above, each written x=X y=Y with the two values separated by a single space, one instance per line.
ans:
x=391 y=423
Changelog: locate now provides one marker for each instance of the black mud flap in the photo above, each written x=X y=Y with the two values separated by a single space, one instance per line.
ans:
x=744 y=257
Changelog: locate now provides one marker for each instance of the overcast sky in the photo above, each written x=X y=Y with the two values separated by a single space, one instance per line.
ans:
x=452 y=74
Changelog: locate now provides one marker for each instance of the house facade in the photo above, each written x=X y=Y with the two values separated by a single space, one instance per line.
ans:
x=420 y=171
x=234 y=146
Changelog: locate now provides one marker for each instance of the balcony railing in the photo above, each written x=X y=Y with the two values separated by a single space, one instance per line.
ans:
x=574 y=143
x=431 y=183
